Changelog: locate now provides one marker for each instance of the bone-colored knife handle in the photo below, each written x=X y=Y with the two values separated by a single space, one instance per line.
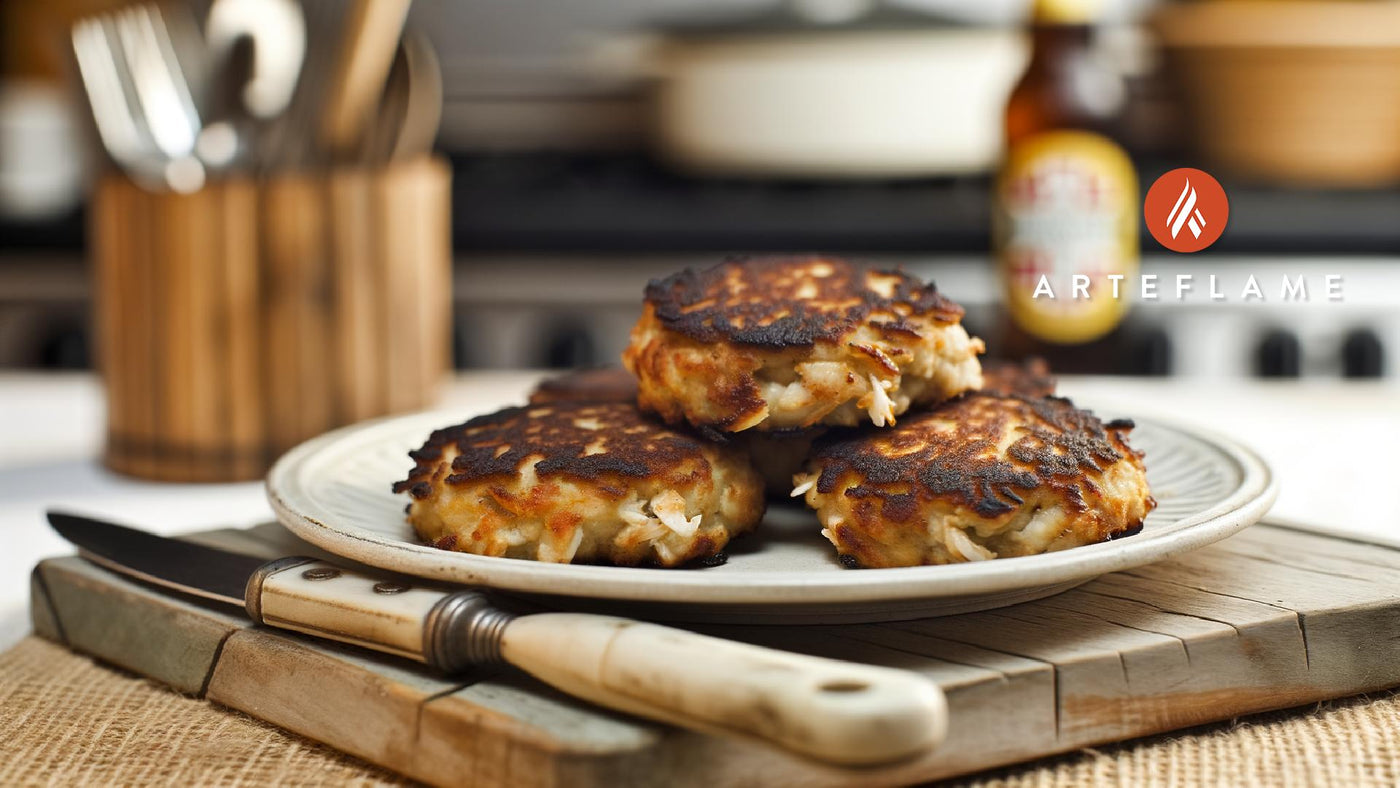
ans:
x=449 y=630
x=834 y=711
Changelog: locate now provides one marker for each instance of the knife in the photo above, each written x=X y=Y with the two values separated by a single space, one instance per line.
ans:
x=838 y=712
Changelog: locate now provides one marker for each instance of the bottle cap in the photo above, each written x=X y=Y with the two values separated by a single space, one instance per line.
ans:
x=1065 y=12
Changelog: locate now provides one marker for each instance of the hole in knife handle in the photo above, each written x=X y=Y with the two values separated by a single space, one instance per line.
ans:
x=844 y=686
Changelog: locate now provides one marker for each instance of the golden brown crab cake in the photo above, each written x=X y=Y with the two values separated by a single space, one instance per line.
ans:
x=580 y=482
x=979 y=477
x=782 y=343
x=1028 y=378
x=776 y=455
x=600 y=384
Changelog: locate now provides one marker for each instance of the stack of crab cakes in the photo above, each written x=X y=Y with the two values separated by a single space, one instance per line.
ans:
x=855 y=389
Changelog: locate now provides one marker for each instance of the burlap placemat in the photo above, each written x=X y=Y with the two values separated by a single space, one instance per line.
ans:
x=65 y=720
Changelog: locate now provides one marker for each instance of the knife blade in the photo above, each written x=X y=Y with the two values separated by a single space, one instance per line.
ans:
x=187 y=567
x=838 y=712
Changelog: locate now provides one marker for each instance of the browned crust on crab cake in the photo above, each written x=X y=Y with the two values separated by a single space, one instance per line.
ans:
x=580 y=482
x=980 y=477
x=1028 y=378
x=603 y=384
x=781 y=343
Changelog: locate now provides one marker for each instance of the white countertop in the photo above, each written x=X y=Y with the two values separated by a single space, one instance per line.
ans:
x=1335 y=447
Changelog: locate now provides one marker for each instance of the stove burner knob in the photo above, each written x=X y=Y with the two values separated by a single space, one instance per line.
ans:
x=568 y=345
x=1150 y=354
x=65 y=347
x=1363 y=356
x=1279 y=355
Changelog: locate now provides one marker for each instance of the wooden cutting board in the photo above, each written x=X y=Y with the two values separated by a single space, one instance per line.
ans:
x=1268 y=619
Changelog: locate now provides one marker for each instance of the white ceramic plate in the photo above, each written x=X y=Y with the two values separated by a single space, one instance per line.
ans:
x=333 y=491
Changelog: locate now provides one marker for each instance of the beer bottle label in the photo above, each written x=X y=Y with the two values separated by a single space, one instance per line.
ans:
x=1064 y=223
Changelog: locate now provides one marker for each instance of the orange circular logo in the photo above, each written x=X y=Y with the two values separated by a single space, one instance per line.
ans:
x=1186 y=210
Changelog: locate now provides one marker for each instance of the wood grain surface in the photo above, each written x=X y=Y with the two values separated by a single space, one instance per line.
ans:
x=240 y=320
x=1269 y=619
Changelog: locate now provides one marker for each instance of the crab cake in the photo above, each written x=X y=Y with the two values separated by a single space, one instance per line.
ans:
x=601 y=384
x=580 y=482
x=781 y=455
x=980 y=477
x=1029 y=378
x=781 y=343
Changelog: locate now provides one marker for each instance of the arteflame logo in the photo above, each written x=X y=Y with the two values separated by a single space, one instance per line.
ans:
x=1186 y=210
x=1186 y=207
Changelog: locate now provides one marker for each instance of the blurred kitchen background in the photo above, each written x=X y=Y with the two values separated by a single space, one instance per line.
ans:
x=597 y=143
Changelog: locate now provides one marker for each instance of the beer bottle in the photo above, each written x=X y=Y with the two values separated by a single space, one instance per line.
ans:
x=1065 y=213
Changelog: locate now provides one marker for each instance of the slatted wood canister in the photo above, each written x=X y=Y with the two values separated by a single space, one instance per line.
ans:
x=237 y=321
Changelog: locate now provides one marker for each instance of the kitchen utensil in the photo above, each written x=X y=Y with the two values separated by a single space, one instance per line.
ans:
x=1290 y=91
x=425 y=97
x=833 y=90
x=406 y=121
x=106 y=79
x=333 y=491
x=1271 y=618
x=256 y=48
x=226 y=141
x=277 y=30
x=371 y=33
x=163 y=94
x=832 y=711
x=390 y=113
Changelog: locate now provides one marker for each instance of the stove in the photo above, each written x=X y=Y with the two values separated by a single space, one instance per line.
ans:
x=543 y=310
x=553 y=250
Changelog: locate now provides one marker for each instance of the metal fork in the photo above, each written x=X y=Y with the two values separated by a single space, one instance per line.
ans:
x=164 y=91
x=115 y=107
x=140 y=97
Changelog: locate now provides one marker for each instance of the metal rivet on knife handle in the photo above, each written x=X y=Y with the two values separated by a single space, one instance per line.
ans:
x=321 y=573
x=252 y=593
x=388 y=588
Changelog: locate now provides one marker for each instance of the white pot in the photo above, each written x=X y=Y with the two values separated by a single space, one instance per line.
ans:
x=904 y=103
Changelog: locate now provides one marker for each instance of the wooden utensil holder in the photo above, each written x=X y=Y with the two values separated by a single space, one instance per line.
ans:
x=240 y=320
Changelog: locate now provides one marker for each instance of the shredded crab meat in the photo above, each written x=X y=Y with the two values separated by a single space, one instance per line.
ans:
x=802 y=487
x=961 y=544
x=547 y=552
x=881 y=408
x=665 y=553
x=829 y=531
x=669 y=508
x=572 y=550
x=632 y=514
x=528 y=478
